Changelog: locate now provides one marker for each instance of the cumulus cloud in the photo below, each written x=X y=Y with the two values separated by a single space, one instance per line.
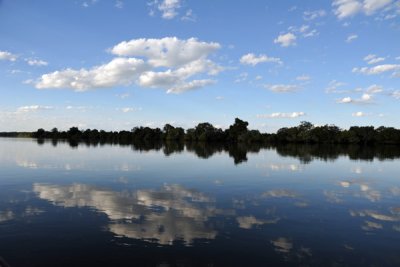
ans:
x=280 y=115
x=119 y=71
x=358 y=114
x=282 y=88
x=286 y=40
x=349 y=8
x=5 y=55
x=36 y=62
x=373 y=59
x=252 y=59
x=166 y=52
x=168 y=63
x=365 y=99
x=351 y=38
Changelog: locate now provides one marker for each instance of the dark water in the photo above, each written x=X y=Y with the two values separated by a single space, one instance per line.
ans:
x=198 y=205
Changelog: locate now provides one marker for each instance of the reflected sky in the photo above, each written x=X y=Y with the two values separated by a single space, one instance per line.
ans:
x=183 y=209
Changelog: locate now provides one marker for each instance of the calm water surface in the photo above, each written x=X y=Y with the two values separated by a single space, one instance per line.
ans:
x=117 y=206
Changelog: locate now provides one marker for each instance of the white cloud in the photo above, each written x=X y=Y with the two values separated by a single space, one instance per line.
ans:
x=371 y=6
x=36 y=62
x=129 y=109
x=280 y=115
x=282 y=88
x=166 y=52
x=167 y=8
x=333 y=87
x=349 y=8
x=377 y=69
x=351 y=38
x=242 y=77
x=286 y=40
x=181 y=58
x=303 y=78
x=192 y=85
x=311 y=15
x=373 y=59
x=5 y=55
x=359 y=114
x=252 y=59
x=365 y=99
x=396 y=94
x=119 y=71
x=346 y=8
x=374 y=89
x=33 y=108
x=189 y=16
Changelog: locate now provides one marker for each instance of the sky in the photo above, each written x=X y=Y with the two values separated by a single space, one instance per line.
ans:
x=117 y=64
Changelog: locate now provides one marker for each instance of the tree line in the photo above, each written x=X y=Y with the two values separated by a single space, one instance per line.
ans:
x=238 y=132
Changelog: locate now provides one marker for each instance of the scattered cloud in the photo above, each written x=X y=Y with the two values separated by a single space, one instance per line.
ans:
x=311 y=15
x=36 y=62
x=349 y=8
x=378 y=69
x=119 y=4
x=242 y=77
x=303 y=78
x=169 y=9
x=129 y=109
x=396 y=94
x=189 y=16
x=282 y=88
x=89 y=3
x=351 y=38
x=365 y=99
x=5 y=55
x=192 y=85
x=333 y=87
x=139 y=61
x=374 y=89
x=358 y=114
x=252 y=59
x=286 y=40
x=33 y=108
x=373 y=59
x=280 y=115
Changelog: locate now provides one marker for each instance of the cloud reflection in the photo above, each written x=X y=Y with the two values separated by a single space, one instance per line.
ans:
x=248 y=222
x=170 y=213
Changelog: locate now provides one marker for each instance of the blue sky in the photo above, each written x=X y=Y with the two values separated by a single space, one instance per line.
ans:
x=118 y=64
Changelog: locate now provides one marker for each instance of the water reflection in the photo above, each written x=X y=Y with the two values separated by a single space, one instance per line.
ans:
x=239 y=152
x=155 y=204
x=165 y=215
